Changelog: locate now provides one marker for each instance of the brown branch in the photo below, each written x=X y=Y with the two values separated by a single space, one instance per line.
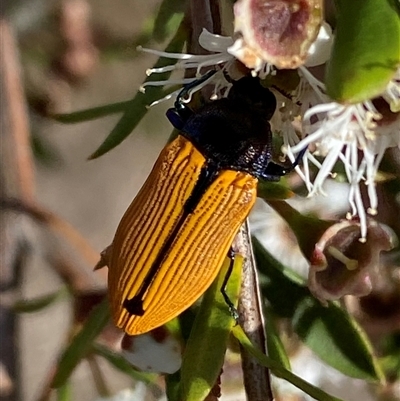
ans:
x=17 y=178
x=256 y=378
x=56 y=224
x=98 y=377
x=18 y=124
x=204 y=14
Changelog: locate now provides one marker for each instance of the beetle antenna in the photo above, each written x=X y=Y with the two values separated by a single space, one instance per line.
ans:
x=187 y=88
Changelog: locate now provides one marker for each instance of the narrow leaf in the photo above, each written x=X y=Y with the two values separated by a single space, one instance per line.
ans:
x=167 y=17
x=92 y=114
x=64 y=392
x=307 y=229
x=172 y=384
x=39 y=303
x=336 y=337
x=206 y=347
x=279 y=370
x=81 y=344
x=273 y=190
x=275 y=347
x=366 y=50
x=166 y=22
x=137 y=107
x=329 y=331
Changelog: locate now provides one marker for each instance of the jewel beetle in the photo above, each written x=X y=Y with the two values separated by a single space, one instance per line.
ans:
x=174 y=236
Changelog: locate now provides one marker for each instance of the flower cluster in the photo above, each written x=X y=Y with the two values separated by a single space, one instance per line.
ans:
x=355 y=134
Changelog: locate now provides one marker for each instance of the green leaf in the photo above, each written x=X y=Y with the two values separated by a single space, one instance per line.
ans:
x=137 y=107
x=307 y=229
x=273 y=190
x=39 y=303
x=45 y=152
x=167 y=21
x=120 y=363
x=169 y=15
x=82 y=343
x=390 y=362
x=275 y=347
x=64 y=392
x=366 y=50
x=172 y=384
x=92 y=114
x=279 y=370
x=329 y=331
x=206 y=347
x=336 y=337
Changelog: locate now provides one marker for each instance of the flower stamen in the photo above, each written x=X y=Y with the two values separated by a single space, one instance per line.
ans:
x=351 y=264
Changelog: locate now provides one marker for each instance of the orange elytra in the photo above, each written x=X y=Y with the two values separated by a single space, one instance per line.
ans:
x=174 y=236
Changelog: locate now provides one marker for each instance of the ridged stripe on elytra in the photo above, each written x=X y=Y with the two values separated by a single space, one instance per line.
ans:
x=133 y=228
x=202 y=281
x=136 y=219
x=175 y=153
x=207 y=217
x=153 y=315
x=161 y=192
x=223 y=222
x=130 y=290
x=154 y=234
x=158 y=234
x=154 y=191
x=186 y=252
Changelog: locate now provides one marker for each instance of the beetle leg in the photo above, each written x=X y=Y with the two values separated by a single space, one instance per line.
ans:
x=232 y=309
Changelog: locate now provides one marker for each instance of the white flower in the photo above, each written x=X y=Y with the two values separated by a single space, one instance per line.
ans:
x=333 y=131
x=320 y=50
x=213 y=43
x=392 y=93
x=223 y=57
x=357 y=135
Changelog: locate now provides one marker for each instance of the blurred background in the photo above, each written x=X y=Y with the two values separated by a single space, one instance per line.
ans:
x=60 y=56
x=68 y=55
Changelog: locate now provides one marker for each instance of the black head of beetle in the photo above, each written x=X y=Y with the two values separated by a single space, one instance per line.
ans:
x=233 y=132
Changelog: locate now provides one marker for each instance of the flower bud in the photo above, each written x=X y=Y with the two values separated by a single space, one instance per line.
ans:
x=341 y=264
x=278 y=32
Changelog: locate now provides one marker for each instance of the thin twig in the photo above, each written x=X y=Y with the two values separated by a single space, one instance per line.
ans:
x=56 y=224
x=18 y=123
x=18 y=174
x=257 y=381
x=204 y=14
x=98 y=377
